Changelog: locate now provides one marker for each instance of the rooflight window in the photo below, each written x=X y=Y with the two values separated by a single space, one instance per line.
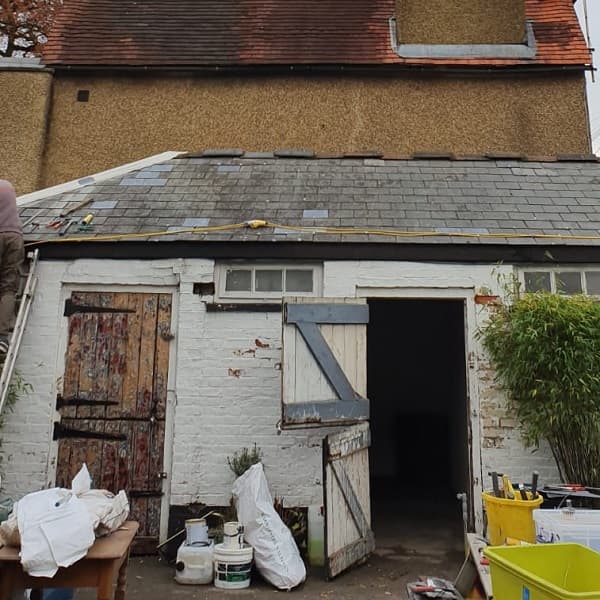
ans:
x=256 y=282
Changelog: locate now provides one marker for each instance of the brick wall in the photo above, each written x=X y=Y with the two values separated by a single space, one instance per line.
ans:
x=225 y=378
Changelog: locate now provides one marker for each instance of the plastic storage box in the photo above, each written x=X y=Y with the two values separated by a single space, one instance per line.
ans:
x=563 y=525
x=544 y=572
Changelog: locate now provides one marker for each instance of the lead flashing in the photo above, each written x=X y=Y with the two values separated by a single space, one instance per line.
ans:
x=526 y=51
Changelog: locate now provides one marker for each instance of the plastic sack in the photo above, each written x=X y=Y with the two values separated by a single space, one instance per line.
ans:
x=56 y=530
x=275 y=551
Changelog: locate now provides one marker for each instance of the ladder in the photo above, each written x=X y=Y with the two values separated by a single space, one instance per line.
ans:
x=17 y=335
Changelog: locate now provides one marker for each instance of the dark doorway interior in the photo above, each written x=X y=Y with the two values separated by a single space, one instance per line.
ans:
x=419 y=456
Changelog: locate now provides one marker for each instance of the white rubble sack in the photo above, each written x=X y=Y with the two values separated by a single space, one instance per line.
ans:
x=56 y=527
x=56 y=530
x=275 y=552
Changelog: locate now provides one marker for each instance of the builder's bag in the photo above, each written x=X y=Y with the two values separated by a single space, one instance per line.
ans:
x=275 y=551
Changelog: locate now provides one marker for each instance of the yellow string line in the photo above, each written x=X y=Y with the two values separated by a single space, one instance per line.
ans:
x=259 y=224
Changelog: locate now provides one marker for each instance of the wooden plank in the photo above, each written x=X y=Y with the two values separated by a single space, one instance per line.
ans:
x=141 y=470
x=161 y=356
x=118 y=356
x=132 y=356
x=88 y=354
x=146 y=359
x=348 y=441
x=102 y=358
x=70 y=385
x=157 y=441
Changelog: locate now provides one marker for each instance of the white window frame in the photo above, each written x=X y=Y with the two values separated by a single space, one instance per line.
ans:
x=554 y=270
x=257 y=296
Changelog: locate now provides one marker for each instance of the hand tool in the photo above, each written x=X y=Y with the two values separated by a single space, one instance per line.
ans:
x=522 y=492
x=506 y=486
x=70 y=211
x=495 y=484
x=65 y=227
x=85 y=223
x=25 y=223
x=534 y=484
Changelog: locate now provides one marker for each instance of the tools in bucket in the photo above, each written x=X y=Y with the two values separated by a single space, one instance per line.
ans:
x=509 y=511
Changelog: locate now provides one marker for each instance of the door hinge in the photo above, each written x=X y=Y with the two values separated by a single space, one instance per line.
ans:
x=71 y=308
x=471 y=360
x=62 y=402
x=144 y=493
x=61 y=432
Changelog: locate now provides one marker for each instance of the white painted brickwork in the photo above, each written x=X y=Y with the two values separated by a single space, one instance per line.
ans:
x=227 y=385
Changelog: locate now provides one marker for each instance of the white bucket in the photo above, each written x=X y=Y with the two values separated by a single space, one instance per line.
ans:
x=233 y=535
x=196 y=532
x=232 y=567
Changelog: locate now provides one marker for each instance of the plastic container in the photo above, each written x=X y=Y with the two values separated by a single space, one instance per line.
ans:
x=510 y=518
x=562 y=525
x=544 y=572
x=194 y=564
x=232 y=567
x=196 y=531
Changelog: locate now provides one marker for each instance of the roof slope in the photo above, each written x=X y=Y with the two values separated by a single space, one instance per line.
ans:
x=245 y=33
x=374 y=200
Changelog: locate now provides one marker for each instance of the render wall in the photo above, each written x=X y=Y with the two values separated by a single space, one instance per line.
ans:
x=461 y=21
x=128 y=118
x=224 y=388
x=24 y=104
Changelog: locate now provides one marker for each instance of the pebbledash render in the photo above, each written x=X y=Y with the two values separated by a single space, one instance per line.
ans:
x=213 y=242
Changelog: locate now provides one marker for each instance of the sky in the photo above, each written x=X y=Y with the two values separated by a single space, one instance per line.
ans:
x=593 y=7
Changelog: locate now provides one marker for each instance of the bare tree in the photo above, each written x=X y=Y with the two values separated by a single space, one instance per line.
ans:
x=24 y=25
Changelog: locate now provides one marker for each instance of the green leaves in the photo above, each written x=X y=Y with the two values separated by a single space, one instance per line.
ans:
x=546 y=352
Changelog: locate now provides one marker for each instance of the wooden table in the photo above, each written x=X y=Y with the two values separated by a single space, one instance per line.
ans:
x=105 y=561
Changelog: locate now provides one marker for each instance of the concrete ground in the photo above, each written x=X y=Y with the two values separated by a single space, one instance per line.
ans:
x=406 y=548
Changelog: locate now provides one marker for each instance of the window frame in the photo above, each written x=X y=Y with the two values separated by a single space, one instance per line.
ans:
x=554 y=270
x=254 y=295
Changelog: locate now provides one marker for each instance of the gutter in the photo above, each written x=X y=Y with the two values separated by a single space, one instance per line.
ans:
x=526 y=51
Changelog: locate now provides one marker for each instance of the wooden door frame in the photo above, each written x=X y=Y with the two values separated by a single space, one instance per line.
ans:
x=465 y=294
x=63 y=334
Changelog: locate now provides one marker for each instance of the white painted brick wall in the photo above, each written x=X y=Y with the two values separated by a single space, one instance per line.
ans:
x=227 y=388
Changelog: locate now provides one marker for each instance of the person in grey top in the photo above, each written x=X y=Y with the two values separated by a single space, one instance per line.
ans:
x=11 y=257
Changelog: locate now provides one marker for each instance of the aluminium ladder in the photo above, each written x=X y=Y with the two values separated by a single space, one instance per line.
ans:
x=17 y=335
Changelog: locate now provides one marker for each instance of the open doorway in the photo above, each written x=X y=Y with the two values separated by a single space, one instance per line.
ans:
x=419 y=456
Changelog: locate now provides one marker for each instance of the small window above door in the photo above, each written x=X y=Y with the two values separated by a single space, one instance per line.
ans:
x=256 y=282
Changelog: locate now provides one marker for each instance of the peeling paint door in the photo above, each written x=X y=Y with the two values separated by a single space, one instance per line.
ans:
x=114 y=396
x=325 y=383
x=324 y=361
x=348 y=535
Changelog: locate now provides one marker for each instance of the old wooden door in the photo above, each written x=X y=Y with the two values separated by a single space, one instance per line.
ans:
x=324 y=383
x=348 y=535
x=113 y=402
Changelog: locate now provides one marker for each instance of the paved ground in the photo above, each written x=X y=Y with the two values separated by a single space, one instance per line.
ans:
x=404 y=551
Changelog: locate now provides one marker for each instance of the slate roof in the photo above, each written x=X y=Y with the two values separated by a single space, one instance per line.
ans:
x=412 y=201
x=243 y=33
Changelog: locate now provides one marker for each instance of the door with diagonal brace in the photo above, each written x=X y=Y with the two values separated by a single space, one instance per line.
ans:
x=114 y=396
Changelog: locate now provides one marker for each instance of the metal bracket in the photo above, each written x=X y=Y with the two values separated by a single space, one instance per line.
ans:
x=62 y=402
x=71 y=308
x=60 y=432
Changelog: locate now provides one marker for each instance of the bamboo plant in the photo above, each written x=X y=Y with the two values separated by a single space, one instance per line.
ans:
x=545 y=349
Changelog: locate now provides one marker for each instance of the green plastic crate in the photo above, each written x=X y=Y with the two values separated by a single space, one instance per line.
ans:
x=544 y=572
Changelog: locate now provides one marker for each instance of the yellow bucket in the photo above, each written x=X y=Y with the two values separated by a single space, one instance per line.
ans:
x=510 y=518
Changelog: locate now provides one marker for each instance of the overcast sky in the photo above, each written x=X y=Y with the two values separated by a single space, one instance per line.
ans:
x=593 y=88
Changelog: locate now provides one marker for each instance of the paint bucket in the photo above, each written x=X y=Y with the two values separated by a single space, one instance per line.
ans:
x=233 y=535
x=196 y=532
x=232 y=567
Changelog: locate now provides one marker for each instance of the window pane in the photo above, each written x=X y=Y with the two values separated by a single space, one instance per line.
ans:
x=537 y=282
x=238 y=280
x=268 y=280
x=592 y=279
x=568 y=283
x=297 y=280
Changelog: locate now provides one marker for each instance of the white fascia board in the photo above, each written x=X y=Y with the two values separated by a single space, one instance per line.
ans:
x=77 y=184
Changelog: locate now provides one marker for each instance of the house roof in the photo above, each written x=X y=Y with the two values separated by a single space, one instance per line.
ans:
x=244 y=33
x=294 y=198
